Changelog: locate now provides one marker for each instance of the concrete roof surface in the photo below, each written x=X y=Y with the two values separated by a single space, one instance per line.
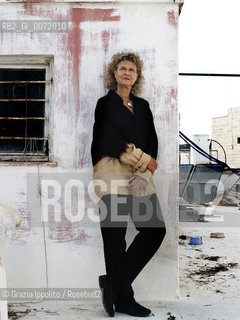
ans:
x=186 y=310
x=207 y=292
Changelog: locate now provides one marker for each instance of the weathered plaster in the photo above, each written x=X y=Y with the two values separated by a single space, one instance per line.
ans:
x=65 y=254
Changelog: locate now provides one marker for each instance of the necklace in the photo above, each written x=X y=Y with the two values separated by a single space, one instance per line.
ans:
x=128 y=103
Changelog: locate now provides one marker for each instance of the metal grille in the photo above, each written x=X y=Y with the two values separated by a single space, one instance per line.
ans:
x=23 y=135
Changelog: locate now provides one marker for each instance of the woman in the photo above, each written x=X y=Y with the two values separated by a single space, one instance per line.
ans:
x=124 y=151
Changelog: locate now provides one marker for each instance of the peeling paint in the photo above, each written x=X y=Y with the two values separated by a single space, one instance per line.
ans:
x=32 y=9
x=79 y=15
x=172 y=18
x=75 y=47
x=65 y=232
x=105 y=39
x=171 y=98
x=21 y=234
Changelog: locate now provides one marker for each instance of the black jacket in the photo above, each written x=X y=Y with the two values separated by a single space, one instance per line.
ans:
x=115 y=126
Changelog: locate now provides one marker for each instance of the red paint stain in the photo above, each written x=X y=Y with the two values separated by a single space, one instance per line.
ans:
x=105 y=39
x=65 y=232
x=107 y=36
x=77 y=16
x=81 y=237
x=171 y=98
x=172 y=19
x=32 y=9
x=75 y=47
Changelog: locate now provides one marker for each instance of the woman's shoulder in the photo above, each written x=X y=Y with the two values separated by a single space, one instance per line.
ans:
x=138 y=99
x=141 y=102
x=102 y=106
x=106 y=102
x=102 y=99
x=106 y=97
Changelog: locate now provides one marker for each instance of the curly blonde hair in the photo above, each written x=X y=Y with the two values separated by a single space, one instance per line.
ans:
x=109 y=78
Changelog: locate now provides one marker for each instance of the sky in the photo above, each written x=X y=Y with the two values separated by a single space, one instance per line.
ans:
x=208 y=43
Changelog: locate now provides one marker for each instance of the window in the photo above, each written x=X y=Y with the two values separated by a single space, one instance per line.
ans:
x=25 y=89
x=238 y=139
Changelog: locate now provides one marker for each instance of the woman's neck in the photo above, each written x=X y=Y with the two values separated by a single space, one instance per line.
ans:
x=123 y=92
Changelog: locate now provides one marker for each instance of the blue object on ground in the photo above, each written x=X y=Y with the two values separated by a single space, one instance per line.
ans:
x=195 y=240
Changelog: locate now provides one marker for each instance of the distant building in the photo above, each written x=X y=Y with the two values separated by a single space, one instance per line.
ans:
x=226 y=131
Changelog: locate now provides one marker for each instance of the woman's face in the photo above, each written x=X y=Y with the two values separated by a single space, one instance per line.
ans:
x=126 y=73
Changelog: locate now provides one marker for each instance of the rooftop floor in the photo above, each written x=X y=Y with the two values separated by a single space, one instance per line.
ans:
x=209 y=281
x=182 y=309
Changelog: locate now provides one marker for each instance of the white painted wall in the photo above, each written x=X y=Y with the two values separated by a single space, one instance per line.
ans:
x=65 y=255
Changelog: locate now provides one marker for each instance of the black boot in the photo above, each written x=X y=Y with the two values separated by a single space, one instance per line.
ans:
x=107 y=294
x=125 y=303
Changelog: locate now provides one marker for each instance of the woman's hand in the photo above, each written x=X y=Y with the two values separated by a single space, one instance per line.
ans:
x=152 y=165
x=137 y=183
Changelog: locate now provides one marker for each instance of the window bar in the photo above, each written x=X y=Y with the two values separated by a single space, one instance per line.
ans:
x=23 y=118
x=22 y=138
x=27 y=154
x=21 y=81
x=22 y=99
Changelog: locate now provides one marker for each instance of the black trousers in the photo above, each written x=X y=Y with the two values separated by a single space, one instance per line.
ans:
x=123 y=266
